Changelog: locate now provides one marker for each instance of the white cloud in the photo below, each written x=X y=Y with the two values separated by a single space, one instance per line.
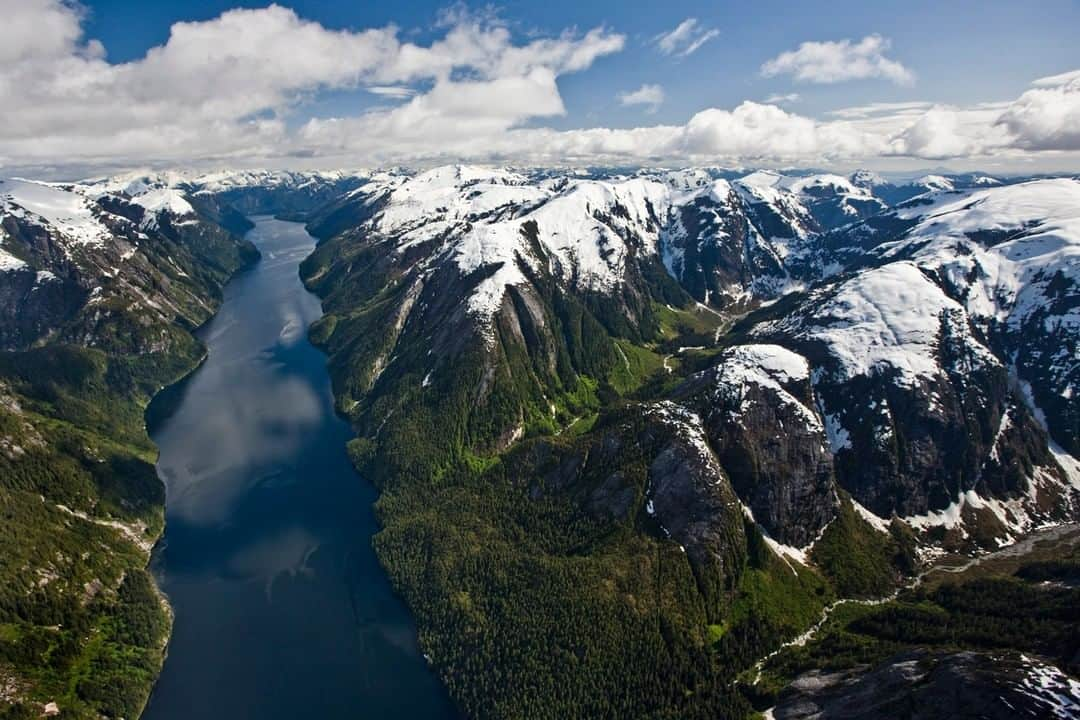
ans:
x=940 y=133
x=750 y=132
x=882 y=109
x=782 y=99
x=685 y=39
x=838 y=61
x=652 y=96
x=1056 y=80
x=1047 y=117
x=224 y=88
x=220 y=92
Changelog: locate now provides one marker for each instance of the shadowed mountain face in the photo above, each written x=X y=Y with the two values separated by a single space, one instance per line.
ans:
x=927 y=685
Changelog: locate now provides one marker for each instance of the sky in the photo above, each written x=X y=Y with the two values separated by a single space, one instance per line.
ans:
x=107 y=85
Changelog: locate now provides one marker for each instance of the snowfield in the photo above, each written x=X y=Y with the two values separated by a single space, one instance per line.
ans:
x=69 y=213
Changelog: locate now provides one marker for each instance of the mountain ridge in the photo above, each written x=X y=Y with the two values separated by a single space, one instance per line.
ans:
x=487 y=327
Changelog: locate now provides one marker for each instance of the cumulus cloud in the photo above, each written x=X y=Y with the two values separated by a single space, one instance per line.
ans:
x=222 y=87
x=220 y=92
x=938 y=134
x=687 y=37
x=1047 y=117
x=751 y=132
x=651 y=96
x=838 y=61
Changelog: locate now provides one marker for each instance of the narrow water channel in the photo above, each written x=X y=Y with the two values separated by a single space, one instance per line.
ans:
x=282 y=610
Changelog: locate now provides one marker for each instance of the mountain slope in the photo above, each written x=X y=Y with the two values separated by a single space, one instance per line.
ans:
x=100 y=292
x=548 y=394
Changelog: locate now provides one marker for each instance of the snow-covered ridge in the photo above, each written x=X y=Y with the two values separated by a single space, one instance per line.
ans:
x=75 y=214
x=934 y=182
x=777 y=363
x=993 y=255
x=587 y=228
x=883 y=319
x=139 y=182
x=71 y=213
x=8 y=262
x=1012 y=240
x=583 y=230
x=768 y=366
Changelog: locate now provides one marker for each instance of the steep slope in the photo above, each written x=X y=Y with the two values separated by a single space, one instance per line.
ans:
x=963 y=305
x=99 y=293
x=106 y=263
x=537 y=367
x=832 y=200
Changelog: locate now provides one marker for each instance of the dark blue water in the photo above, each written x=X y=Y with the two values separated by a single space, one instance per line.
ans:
x=282 y=610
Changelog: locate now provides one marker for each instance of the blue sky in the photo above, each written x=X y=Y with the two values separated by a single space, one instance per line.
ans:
x=960 y=68
x=961 y=52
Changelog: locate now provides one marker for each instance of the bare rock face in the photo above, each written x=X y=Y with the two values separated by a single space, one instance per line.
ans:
x=32 y=303
x=758 y=409
x=650 y=465
x=82 y=265
x=925 y=686
x=690 y=496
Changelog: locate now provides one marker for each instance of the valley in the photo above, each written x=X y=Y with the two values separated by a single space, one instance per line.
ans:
x=627 y=435
x=266 y=558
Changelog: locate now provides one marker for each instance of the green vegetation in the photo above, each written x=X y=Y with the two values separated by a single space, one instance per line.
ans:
x=514 y=470
x=81 y=622
x=638 y=365
x=860 y=561
x=82 y=504
x=540 y=591
x=984 y=610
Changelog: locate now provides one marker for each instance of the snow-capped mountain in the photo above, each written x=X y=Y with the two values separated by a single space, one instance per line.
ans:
x=833 y=200
x=229 y=197
x=78 y=261
x=730 y=243
x=947 y=321
x=939 y=341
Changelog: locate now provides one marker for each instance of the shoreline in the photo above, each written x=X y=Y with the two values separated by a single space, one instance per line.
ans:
x=154 y=413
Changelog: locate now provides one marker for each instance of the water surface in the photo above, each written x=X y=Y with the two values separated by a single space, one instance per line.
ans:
x=282 y=610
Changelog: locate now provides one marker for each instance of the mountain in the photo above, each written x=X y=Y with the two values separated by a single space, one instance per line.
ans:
x=99 y=293
x=794 y=385
x=961 y=684
x=633 y=430
x=93 y=268
x=930 y=322
x=229 y=197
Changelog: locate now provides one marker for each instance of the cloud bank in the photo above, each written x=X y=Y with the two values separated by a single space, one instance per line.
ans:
x=221 y=92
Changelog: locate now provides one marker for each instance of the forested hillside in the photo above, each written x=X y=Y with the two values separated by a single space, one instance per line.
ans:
x=631 y=433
